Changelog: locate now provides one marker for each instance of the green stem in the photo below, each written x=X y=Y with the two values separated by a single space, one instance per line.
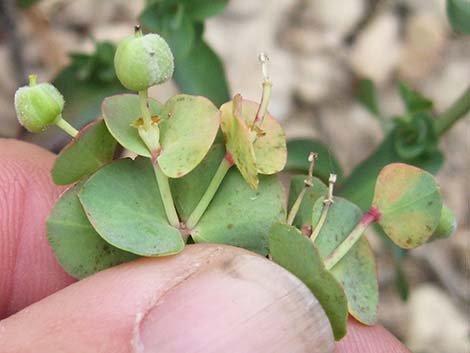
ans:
x=373 y=215
x=321 y=221
x=151 y=140
x=263 y=107
x=165 y=193
x=145 y=109
x=64 y=125
x=308 y=182
x=201 y=207
x=296 y=206
x=457 y=111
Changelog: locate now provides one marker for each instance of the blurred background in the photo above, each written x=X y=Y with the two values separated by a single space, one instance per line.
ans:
x=320 y=51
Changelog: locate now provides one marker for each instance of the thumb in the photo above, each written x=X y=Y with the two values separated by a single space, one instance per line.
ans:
x=209 y=298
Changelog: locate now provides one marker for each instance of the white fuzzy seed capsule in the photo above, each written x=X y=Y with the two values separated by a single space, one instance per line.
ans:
x=38 y=105
x=142 y=61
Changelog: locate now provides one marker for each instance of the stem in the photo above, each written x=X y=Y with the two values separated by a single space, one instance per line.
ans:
x=167 y=199
x=373 y=215
x=456 y=111
x=266 y=95
x=64 y=125
x=296 y=206
x=263 y=107
x=321 y=221
x=145 y=109
x=201 y=207
x=307 y=183
x=327 y=202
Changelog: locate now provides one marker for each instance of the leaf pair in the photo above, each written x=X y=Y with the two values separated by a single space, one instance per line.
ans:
x=188 y=126
x=123 y=215
x=254 y=147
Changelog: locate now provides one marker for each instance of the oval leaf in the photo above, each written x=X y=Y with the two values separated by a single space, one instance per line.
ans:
x=238 y=142
x=120 y=112
x=92 y=148
x=76 y=245
x=188 y=128
x=240 y=216
x=297 y=254
x=356 y=271
x=410 y=204
x=122 y=202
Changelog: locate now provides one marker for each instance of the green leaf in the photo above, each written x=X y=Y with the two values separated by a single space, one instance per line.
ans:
x=367 y=96
x=414 y=101
x=188 y=127
x=356 y=271
x=359 y=186
x=92 y=148
x=180 y=36
x=414 y=135
x=297 y=254
x=188 y=190
x=447 y=224
x=240 y=216
x=201 y=72
x=120 y=112
x=317 y=190
x=123 y=203
x=458 y=12
x=299 y=150
x=199 y=10
x=238 y=141
x=76 y=245
x=409 y=201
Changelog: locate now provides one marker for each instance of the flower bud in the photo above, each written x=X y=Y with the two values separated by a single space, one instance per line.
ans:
x=38 y=105
x=143 y=61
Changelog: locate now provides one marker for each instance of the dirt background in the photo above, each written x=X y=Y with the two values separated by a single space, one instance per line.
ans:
x=318 y=49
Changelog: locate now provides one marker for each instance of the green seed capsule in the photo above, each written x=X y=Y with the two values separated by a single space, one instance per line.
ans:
x=38 y=105
x=143 y=61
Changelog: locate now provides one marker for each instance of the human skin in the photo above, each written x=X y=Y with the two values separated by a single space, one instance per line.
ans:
x=207 y=299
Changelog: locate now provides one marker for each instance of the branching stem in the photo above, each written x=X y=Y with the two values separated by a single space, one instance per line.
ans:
x=327 y=202
x=167 y=198
x=307 y=183
x=217 y=179
x=152 y=143
x=373 y=215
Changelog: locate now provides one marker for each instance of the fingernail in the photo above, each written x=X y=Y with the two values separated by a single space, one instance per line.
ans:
x=240 y=302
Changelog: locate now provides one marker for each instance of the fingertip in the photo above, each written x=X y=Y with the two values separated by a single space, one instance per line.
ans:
x=209 y=298
x=28 y=268
x=369 y=339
